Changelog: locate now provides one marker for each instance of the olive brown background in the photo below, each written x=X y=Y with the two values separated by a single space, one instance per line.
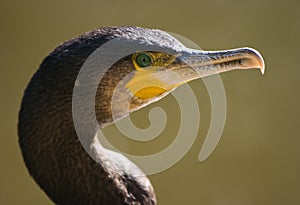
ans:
x=258 y=158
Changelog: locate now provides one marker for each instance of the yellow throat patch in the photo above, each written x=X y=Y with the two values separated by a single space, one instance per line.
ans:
x=147 y=81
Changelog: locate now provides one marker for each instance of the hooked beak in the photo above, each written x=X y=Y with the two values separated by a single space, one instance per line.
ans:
x=196 y=64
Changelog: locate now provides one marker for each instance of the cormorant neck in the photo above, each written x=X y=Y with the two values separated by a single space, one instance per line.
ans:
x=58 y=162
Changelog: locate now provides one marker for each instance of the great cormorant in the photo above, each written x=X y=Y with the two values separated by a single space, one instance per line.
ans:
x=50 y=146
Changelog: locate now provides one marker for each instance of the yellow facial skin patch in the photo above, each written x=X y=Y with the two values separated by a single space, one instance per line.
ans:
x=151 y=81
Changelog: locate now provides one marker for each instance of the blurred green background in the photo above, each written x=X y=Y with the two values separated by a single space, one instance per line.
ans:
x=258 y=158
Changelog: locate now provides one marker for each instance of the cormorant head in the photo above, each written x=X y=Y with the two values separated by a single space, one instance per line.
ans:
x=143 y=65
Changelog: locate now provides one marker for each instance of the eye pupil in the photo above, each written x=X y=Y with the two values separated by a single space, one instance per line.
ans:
x=143 y=60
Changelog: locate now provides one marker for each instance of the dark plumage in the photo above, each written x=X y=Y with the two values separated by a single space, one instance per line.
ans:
x=52 y=152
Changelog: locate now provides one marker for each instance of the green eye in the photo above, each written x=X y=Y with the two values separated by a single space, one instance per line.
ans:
x=143 y=60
